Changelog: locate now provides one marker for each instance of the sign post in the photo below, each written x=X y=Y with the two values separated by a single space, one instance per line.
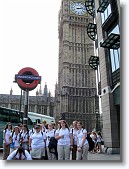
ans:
x=27 y=79
x=25 y=120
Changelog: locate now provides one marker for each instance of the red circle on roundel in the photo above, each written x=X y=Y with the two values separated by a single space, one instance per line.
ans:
x=24 y=85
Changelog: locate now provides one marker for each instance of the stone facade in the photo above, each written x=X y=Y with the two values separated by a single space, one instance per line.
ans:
x=76 y=95
x=42 y=103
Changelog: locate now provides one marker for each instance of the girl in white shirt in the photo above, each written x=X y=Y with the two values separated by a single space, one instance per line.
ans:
x=82 y=143
x=19 y=154
x=50 y=133
x=25 y=137
x=64 y=141
x=37 y=144
x=6 y=141
x=73 y=133
x=16 y=138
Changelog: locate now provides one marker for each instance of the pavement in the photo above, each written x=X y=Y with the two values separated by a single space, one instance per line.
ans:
x=103 y=157
x=97 y=157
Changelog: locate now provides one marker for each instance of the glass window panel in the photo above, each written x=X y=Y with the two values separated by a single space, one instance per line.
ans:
x=102 y=17
x=106 y=14
x=118 y=54
x=112 y=60
x=116 y=30
x=109 y=9
x=117 y=63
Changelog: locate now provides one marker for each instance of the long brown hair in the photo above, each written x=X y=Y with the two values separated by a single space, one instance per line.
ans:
x=9 y=123
x=79 y=122
x=66 y=124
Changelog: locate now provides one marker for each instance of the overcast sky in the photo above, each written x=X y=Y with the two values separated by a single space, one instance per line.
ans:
x=28 y=38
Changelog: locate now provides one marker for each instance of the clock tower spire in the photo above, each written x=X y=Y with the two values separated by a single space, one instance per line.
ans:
x=76 y=80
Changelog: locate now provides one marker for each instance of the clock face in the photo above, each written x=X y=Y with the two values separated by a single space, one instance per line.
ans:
x=78 y=8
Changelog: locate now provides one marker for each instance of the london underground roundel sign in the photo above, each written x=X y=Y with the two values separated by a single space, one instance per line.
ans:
x=27 y=78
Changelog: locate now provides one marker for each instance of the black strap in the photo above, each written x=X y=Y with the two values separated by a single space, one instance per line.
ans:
x=22 y=152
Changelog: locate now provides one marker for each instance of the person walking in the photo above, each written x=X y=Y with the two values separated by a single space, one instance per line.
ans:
x=6 y=141
x=99 y=142
x=82 y=143
x=93 y=135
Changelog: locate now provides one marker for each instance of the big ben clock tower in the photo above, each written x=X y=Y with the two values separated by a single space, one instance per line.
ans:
x=76 y=91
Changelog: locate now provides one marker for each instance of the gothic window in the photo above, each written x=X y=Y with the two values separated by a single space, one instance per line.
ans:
x=76 y=91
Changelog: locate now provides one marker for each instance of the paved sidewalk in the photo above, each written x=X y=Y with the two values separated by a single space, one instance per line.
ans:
x=97 y=157
x=103 y=157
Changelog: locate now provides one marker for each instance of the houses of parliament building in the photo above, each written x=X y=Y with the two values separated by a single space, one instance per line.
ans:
x=42 y=103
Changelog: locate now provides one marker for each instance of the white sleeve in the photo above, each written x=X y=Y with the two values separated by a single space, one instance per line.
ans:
x=10 y=157
x=57 y=131
x=28 y=156
x=71 y=131
x=44 y=136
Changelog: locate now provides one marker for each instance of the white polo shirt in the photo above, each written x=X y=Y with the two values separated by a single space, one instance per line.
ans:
x=7 y=135
x=80 y=135
x=25 y=136
x=16 y=139
x=50 y=134
x=66 y=139
x=38 y=140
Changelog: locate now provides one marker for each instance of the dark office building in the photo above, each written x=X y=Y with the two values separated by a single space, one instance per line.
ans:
x=105 y=32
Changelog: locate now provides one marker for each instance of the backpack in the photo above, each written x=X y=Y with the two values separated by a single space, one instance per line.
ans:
x=91 y=143
x=53 y=146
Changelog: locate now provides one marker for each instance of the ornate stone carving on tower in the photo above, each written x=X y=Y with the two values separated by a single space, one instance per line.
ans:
x=76 y=95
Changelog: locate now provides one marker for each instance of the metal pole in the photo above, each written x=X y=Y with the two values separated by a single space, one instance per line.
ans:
x=20 y=105
x=20 y=101
x=25 y=120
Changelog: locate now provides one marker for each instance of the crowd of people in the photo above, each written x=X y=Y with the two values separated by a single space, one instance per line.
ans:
x=49 y=141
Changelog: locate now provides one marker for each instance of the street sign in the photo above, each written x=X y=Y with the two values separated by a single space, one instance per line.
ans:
x=27 y=78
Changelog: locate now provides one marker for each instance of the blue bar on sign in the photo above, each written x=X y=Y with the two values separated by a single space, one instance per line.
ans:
x=28 y=77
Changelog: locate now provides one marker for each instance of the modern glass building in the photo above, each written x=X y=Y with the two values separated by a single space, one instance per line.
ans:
x=105 y=32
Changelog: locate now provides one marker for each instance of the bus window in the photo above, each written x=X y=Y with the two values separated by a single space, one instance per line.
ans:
x=37 y=121
x=14 y=116
x=21 y=117
x=30 y=121
x=4 y=115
